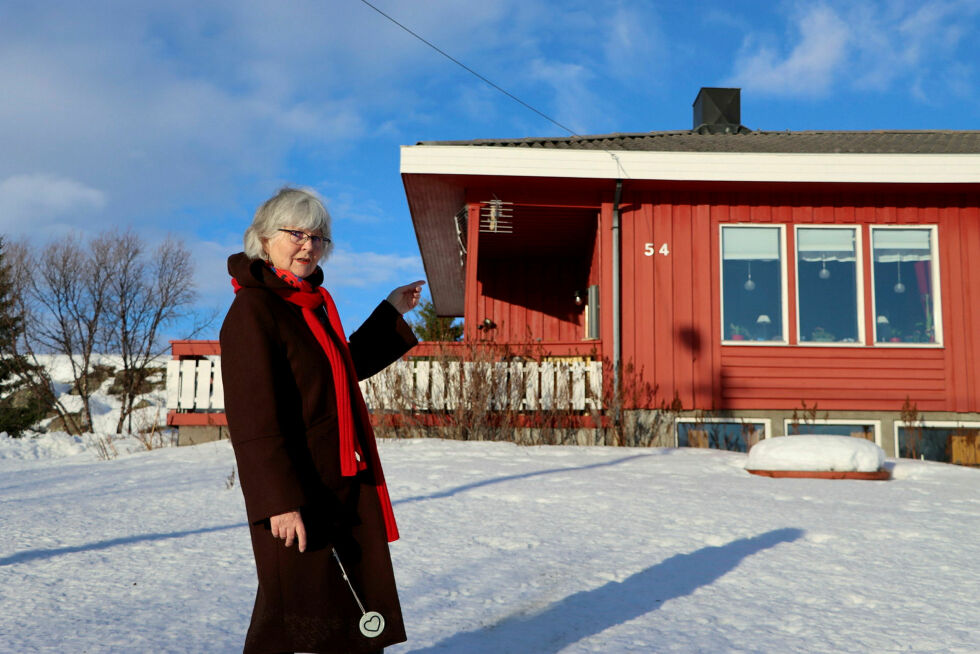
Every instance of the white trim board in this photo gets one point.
(691, 166)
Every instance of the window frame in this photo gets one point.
(874, 424)
(859, 282)
(783, 339)
(935, 424)
(937, 312)
(765, 422)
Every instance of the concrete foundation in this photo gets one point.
(195, 435)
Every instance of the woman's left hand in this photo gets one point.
(405, 298)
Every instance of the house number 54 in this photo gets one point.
(649, 249)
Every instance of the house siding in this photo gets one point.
(671, 326)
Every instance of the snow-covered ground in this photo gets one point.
(105, 407)
(505, 549)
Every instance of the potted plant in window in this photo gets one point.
(822, 335)
(738, 333)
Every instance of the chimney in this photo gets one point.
(718, 111)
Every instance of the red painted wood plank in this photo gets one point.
(175, 419)
(187, 348)
(969, 218)
(704, 308)
(954, 280)
(967, 277)
(680, 259)
(790, 285)
(840, 384)
(471, 317)
(832, 372)
(829, 398)
(663, 305)
(886, 214)
(802, 355)
(868, 286)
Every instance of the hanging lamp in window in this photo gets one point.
(749, 285)
(899, 287)
(824, 273)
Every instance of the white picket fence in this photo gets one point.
(195, 385)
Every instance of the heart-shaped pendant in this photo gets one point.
(372, 624)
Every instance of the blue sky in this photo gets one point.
(181, 117)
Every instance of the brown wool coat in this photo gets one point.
(282, 418)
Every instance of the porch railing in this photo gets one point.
(195, 395)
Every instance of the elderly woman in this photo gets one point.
(317, 504)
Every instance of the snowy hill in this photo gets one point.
(505, 549)
(105, 405)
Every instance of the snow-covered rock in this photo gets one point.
(834, 453)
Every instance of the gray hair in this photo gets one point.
(291, 207)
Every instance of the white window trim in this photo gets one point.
(765, 422)
(937, 310)
(874, 424)
(859, 276)
(784, 290)
(938, 424)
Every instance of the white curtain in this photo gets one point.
(891, 245)
(750, 243)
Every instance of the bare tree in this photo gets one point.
(66, 288)
(106, 294)
(32, 373)
(146, 294)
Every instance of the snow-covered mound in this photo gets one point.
(811, 453)
(55, 445)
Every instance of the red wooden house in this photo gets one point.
(775, 282)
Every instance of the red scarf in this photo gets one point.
(349, 398)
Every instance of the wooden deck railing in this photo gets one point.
(195, 394)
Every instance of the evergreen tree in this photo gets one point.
(429, 326)
(19, 406)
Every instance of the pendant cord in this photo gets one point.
(347, 579)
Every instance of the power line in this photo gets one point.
(473, 72)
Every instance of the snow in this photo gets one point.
(504, 549)
(105, 407)
(837, 453)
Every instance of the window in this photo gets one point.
(949, 443)
(752, 283)
(866, 430)
(721, 433)
(833, 273)
(905, 285)
(827, 285)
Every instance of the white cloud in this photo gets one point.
(810, 67)
(575, 105)
(349, 268)
(871, 46)
(32, 202)
(636, 49)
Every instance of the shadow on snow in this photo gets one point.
(591, 612)
(523, 475)
(33, 555)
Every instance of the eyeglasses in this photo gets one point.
(299, 238)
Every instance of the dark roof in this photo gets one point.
(873, 142)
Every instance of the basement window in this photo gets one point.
(937, 441)
(866, 430)
(721, 433)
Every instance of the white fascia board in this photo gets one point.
(692, 166)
